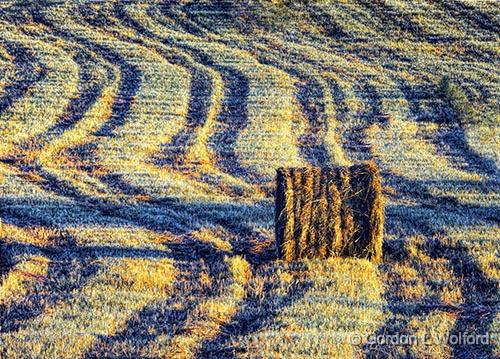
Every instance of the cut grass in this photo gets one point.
(140, 141)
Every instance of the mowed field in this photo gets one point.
(138, 147)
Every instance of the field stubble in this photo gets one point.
(139, 146)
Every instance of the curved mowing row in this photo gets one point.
(139, 147)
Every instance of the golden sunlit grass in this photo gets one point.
(125, 285)
(19, 280)
(400, 144)
(139, 144)
(26, 118)
(144, 275)
(343, 296)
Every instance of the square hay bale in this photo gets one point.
(325, 212)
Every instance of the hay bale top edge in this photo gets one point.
(370, 166)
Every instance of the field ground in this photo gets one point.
(139, 142)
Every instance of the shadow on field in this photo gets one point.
(174, 317)
(451, 140)
(221, 16)
(167, 215)
(327, 22)
(161, 318)
(6, 263)
(168, 318)
(201, 92)
(24, 64)
(310, 96)
(68, 271)
(233, 114)
(71, 265)
(312, 146)
(255, 314)
(130, 78)
(172, 9)
(90, 89)
(480, 305)
(355, 139)
(174, 153)
(177, 217)
(428, 218)
(390, 16)
(474, 17)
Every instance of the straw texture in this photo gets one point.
(325, 212)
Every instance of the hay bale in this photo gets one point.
(305, 212)
(285, 220)
(334, 218)
(365, 201)
(322, 218)
(325, 212)
(347, 224)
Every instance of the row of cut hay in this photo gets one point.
(160, 92)
(198, 153)
(325, 212)
(52, 76)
